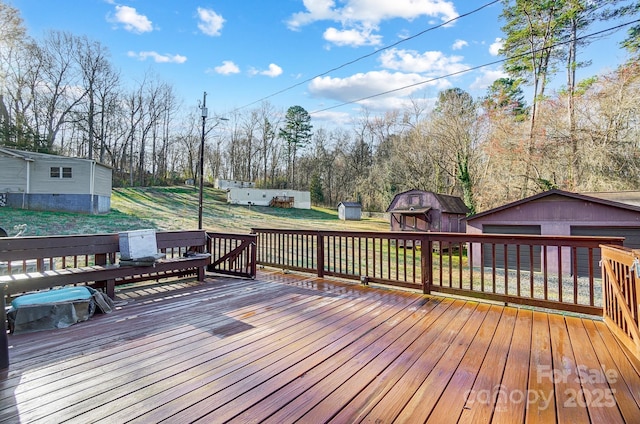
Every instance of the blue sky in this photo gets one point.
(242, 51)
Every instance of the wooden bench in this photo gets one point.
(91, 260)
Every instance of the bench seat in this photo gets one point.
(105, 275)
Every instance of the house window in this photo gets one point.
(61, 172)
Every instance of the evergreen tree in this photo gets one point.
(315, 187)
(297, 134)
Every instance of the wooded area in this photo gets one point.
(61, 94)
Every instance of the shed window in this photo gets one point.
(61, 172)
(414, 200)
(410, 221)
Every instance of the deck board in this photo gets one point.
(540, 400)
(569, 408)
(490, 373)
(292, 347)
(595, 389)
(426, 396)
(466, 373)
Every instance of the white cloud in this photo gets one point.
(362, 85)
(227, 68)
(273, 71)
(332, 118)
(427, 62)
(370, 11)
(486, 78)
(157, 57)
(131, 20)
(317, 10)
(210, 22)
(494, 48)
(352, 37)
(459, 44)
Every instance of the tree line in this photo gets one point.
(61, 94)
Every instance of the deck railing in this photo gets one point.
(558, 272)
(621, 281)
(232, 254)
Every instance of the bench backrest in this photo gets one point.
(189, 238)
(24, 248)
(45, 247)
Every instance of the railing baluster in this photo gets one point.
(559, 273)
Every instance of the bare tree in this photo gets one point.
(57, 94)
(92, 60)
(268, 122)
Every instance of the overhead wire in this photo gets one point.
(351, 62)
(474, 68)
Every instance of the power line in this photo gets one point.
(476, 67)
(351, 62)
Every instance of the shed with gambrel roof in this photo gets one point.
(418, 210)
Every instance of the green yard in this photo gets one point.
(176, 208)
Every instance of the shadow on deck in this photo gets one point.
(288, 347)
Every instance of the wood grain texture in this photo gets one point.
(291, 347)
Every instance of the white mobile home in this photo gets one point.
(227, 184)
(264, 197)
(39, 181)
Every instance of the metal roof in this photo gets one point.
(31, 156)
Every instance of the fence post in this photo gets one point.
(426, 263)
(320, 253)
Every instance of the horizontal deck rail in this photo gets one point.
(557, 272)
(621, 282)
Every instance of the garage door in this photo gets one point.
(631, 239)
(525, 251)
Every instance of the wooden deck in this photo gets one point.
(286, 347)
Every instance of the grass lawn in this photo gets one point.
(176, 208)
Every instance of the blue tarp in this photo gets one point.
(66, 294)
(58, 308)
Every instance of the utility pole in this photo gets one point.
(204, 120)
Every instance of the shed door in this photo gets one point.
(631, 239)
(525, 251)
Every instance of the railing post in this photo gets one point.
(636, 282)
(320, 253)
(426, 263)
(4, 337)
(254, 256)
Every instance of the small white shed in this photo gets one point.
(349, 211)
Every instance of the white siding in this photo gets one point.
(13, 175)
(103, 180)
(226, 184)
(43, 183)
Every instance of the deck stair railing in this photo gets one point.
(621, 293)
(232, 254)
(556, 272)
